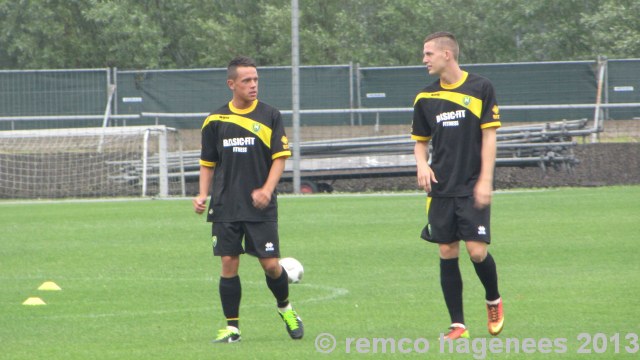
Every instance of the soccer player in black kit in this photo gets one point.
(244, 148)
(459, 115)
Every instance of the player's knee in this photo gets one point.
(449, 251)
(230, 266)
(477, 258)
(478, 255)
(272, 268)
(477, 251)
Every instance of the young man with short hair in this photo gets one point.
(459, 115)
(244, 148)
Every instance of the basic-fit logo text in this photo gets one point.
(239, 144)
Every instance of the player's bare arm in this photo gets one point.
(425, 174)
(484, 187)
(200, 201)
(262, 196)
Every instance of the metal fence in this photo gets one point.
(527, 92)
(354, 121)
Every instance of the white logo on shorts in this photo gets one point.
(482, 230)
(215, 241)
(268, 246)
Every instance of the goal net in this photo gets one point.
(91, 162)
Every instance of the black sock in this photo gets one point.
(230, 294)
(488, 275)
(451, 282)
(280, 288)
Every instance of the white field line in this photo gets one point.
(329, 293)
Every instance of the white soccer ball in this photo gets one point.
(293, 268)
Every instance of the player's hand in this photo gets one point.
(425, 177)
(482, 194)
(261, 198)
(199, 204)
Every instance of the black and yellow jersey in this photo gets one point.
(241, 144)
(452, 118)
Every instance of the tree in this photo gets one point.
(40, 34)
(547, 30)
(243, 27)
(124, 34)
(78, 33)
(614, 29)
(138, 34)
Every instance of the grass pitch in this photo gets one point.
(139, 281)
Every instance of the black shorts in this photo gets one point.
(451, 219)
(260, 238)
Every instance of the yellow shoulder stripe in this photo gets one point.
(263, 132)
(472, 103)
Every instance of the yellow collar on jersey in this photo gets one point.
(457, 83)
(243, 111)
